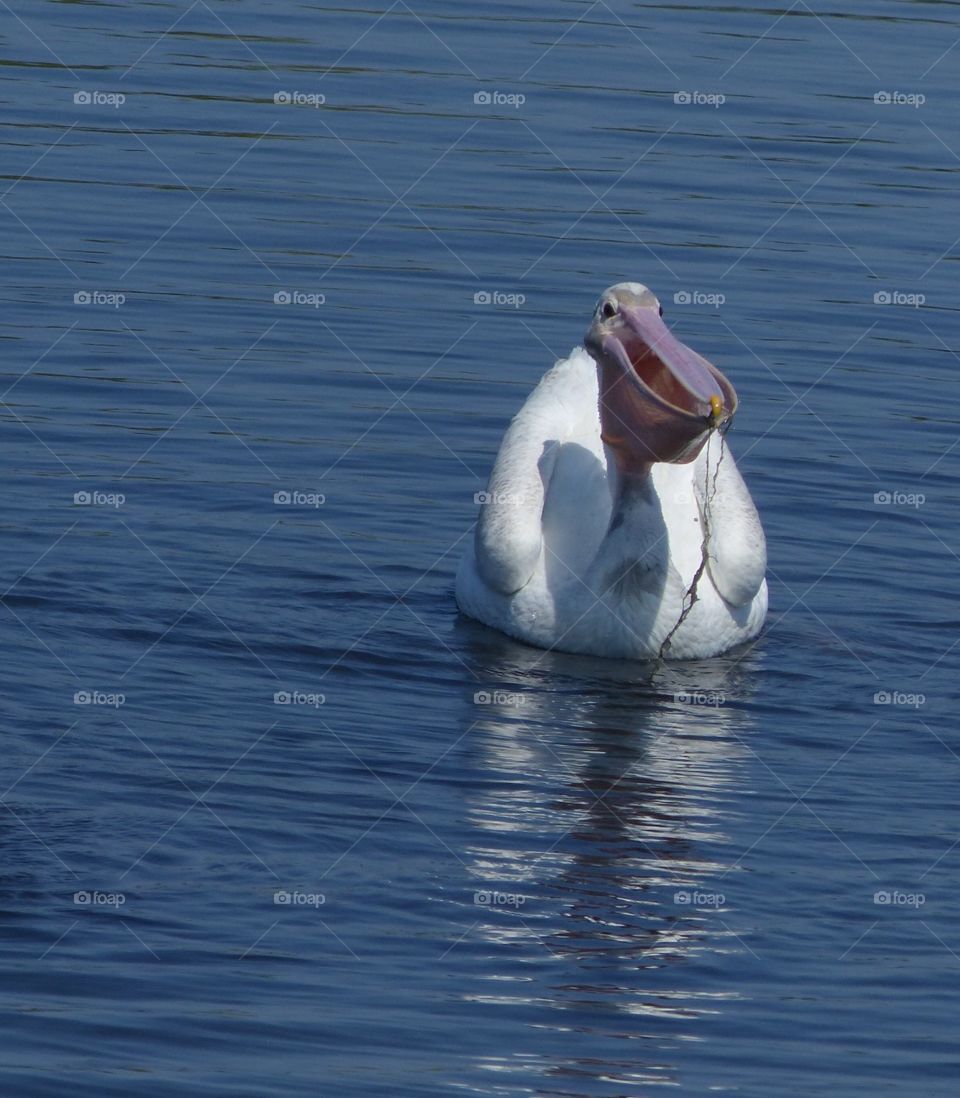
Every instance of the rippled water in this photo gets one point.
(451, 863)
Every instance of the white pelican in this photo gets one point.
(616, 522)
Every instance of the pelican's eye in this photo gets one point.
(608, 310)
(661, 310)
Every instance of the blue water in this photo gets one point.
(600, 878)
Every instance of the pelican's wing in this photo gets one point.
(737, 549)
(509, 537)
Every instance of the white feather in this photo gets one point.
(546, 568)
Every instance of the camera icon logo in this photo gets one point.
(282, 297)
(482, 297)
(482, 99)
(82, 297)
(281, 896)
(81, 98)
(282, 497)
(681, 97)
(282, 99)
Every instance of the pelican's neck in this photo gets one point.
(632, 492)
(634, 554)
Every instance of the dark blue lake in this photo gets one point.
(277, 820)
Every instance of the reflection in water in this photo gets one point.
(600, 843)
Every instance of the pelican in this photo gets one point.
(615, 522)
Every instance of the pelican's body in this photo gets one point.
(586, 545)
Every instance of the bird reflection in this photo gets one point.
(599, 835)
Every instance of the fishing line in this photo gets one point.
(690, 595)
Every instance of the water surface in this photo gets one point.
(336, 839)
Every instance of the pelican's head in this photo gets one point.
(659, 400)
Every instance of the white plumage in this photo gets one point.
(573, 554)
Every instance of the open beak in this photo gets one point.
(659, 399)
